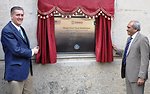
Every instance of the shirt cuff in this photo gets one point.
(32, 52)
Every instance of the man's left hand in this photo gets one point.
(140, 81)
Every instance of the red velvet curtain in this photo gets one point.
(89, 7)
(102, 10)
(46, 41)
(103, 47)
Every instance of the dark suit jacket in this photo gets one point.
(17, 53)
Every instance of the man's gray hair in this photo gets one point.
(136, 25)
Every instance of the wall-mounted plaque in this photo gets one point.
(75, 34)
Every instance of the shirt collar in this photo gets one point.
(18, 27)
(134, 35)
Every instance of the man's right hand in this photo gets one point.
(36, 49)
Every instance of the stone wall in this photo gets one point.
(79, 75)
(76, 76)
(125, 10)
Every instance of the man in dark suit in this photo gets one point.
(135, 60)
(16, 47)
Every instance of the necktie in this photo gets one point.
(126, 49)
(21, 32)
